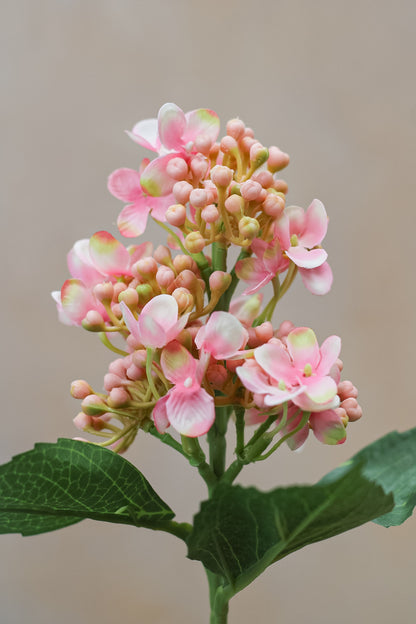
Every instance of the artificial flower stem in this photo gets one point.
(217, 598)
(268, 311)
(226, 297)
(239, 427)
(166, 438)
(216, 441)
(196, 457)
(302, 423)
(149, 361)
(179, 529)
(104, 339)
(287, 282)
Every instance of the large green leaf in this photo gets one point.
(241, 531)
(391, 463)
(55, 485)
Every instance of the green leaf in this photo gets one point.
(391, 463)
(241, 531)
(55, 485)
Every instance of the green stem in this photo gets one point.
(217, 442)
(179, 529)
(239, 428)
(218, 600)
(226, 297)
(219, 256)
(110, 346)
(196, 457)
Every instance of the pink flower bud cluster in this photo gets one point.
(185, 346)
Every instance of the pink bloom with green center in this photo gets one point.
(261, 269)
(102, 258)
(300, 234)
(305, 365)
(268, 389)
(125, 184)
(187, 407)
(173, 134)
(158, 322)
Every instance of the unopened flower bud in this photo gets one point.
(163, 255)
(139, 358)
(353, 409)
(216, 375)
(281, 186)
(186, 279)
(116, 310)
(210, 213)
(264, 332)
(203, 144)
(118, 397)
(135, 373)
(164, 276)
(182, 262)
(246, 142)
(130, 297)
(199, 167)
(93, 321)
(176, 215)
(234, 204)
(258, 155)
(92, 405)
(263, 177)
(177, 169)
(181, 191)
(273, 205)
(145, 292)
(198, 198)
(233, 364)
(117, 289)
(219, 281)
(277, 159)
(184, 299)
(82, 421)
(342, 414)
(221, 176)
(145, 267)
(251, 191)
(284, 329)
(118, 367)
(235, 128)
(248, 227)
(80, 389)
(249, 132)
(104, 292)
(194, 242)
(347, 390)
(111, 380)
(228, 144)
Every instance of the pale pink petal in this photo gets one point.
(163, 309)
(222, 336)
(132, 220)
(328, 427)
(125, 184)
(330, 350)
(154, 179)
(80, 264)
(316, 225)
(303, 347)
(278, 397)
(177, 363)
(191, 413)
(319, 394)
(172, 332)
(160, 415)
(318, 281)
(297, 220)
(282, 230)
(275, 360)
(145, 133)
(76, 301)
(201, 122)
(171, 126)
(108, 254)
(254, 379)
(63, 318)
(130, 321)
(246, 309)
(307, 259)
(152, 333)
(253, 416)
(159, 205)
(137, 252)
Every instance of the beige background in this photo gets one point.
(332, 83)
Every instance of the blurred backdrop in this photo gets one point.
(332, 83)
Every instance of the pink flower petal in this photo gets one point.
(246, 309)
(282, 230)
(299, 438)
(254, 379)
(132, 220)
(80, 264)
(316, 225)
(76, 301)
(137, 252)
(318, 281)
(303, 347)
(191, 413)
(160, 415)
(328, 427)
(275, 360)
(145, 133)
(130, 321)
(330, 350)
(151, 333)
(319, 394)
(177, 363)
(171, 125)
(154, 179)
(201, 122)
(297, 220)
(307, 259)
(108, 254)
(163, 309)
(222, 336)
(125, 184)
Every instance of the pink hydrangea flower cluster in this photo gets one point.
(186, 345)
